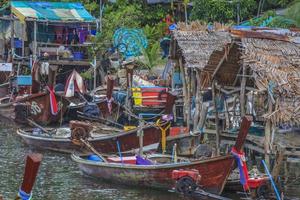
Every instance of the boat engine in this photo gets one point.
(80, 131)
(186, 181)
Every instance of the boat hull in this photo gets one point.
(104, 144)
(214, 173)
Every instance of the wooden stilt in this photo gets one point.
(268, 131)
(34, 39)
(278, 162)
(242, 93)
(12, 38)
(52, 75)
(31, 169)
(216, 118)
(184, 88)
(188, 101)
(197, 101)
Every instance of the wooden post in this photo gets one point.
(278, 162)
(216, 118)
(23, 39)
(12, 37)
(170, 103)
(129, 76)
(31, 169)
(110, 87)
(242, 93)
(203, 114)
(95, 72)
(52, 76)
(173, 89)
(188, 78)
(197, 101)
(141, 137)
(268, 131)
(35, 39)
(184, 88)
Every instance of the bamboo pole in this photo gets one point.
(278, 163)
(197, 101)
(12, 37)
(188, 77)
(242, 92)
(184, 88)
(35, 39)
(268, 131)
(216, 118)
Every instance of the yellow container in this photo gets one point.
(137, 96)
(128, 128)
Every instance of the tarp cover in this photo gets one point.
(54, 11)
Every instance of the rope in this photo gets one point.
(163, 134)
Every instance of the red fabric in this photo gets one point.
(53, 102)
(244, 169)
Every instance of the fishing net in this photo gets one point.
(130, 42)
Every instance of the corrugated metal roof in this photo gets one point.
(54, 11)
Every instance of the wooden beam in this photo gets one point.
(259, 35)
(226, 52)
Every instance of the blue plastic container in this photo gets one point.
(18, 43)
(95, 158)
(24, 80)
(78, 56)
(93, 32)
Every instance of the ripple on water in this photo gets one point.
(59, 177)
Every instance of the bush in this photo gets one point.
(222, 10)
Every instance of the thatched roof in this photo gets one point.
(197, 44)
(276, 70)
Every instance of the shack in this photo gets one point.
(227, 73)
(59, 32)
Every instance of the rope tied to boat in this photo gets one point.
(160, 124)
(23, 195)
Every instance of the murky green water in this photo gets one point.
(59, 177)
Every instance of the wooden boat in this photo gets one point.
(104, 140)
(35, 106)
(6, 110)
(214, 171)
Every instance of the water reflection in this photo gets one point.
(60, 178)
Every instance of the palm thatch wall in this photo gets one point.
(197, 44)
(276, 70)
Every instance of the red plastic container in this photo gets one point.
(151, 96)
(126, 160)
(178, 130)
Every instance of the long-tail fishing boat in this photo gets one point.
(104, 139)
(36, 107)
(154, 173)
